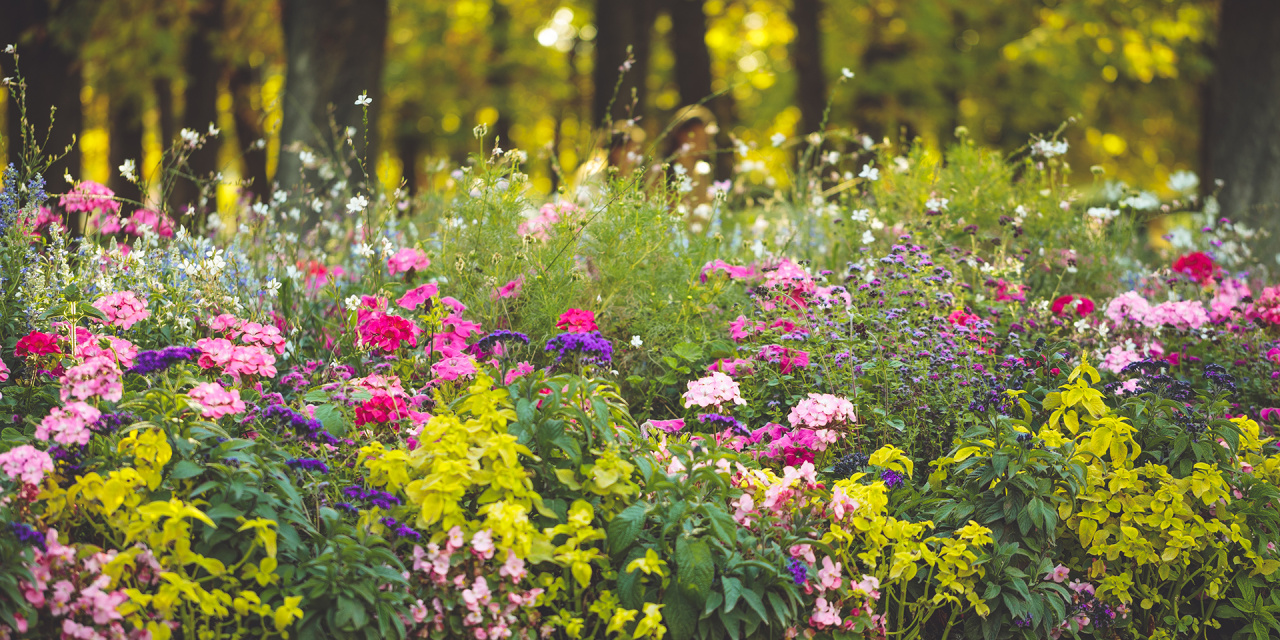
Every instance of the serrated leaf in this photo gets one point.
(624, 527)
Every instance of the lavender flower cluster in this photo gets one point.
(156, 361)
(589, 348)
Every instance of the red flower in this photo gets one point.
(577, 321)
(1198, 266)
(37, 344)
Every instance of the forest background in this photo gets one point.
(1149, 87)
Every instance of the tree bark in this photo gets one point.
(621, 24)
(336, 50)
(1244, 126)
(52, 74)
(244, 81)
(199, 110)
(163, 89)
(499, 76)
(125, 138)
(806, 57)
(694, 78)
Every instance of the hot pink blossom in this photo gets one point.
(4, 371)
(520, 369)
(89, 196)
(388, 332)
(214, 401)
(451, 369)
(149, 221)
(509, 290)
(577, 321)
(669, 426)
(414, 297)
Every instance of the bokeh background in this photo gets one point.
(1146, 87)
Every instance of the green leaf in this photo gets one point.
(186, 469)
(695, 568)
(223, 510)
(680, 614)
(625, 526)
(331, 418)
(688, 351)
(722, 524)
(753, 600)
(732, 592)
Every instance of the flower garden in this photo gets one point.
(916, 394)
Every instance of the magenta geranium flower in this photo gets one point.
(408, 259)
(577, 321)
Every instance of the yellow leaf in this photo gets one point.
(1088, 527)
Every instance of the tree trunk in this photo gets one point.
(806, 56)
(199, 110)
(1244, 126)
(243, 83)
(408, 148)
(163, 88)
(621, 24)
(336, 50)
(499, 77)
(53, 79)
(693, 76)
(125, 138)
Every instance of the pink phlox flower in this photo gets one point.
(88, 196)
(1266, 307)
(123, 308)
(1006, 291)
(68, 425)
(1183, 314)
(27, 463)
(388, 332)
(713, 390)
(517, 371)
(265, 335)
(1228, 300)
(408, 259)
(822, 410)
(732, 366)
(1058, 574)
(547, 217)
(786, 357)
(96, 377)
(214, 401)
(1128, 306)
(1118, 358)
(90, 345)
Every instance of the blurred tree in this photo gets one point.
(694, 75)
(203, 72)
(47, 36)
(336, 51)
(806, 57)
(623, 40)
(1244, 116)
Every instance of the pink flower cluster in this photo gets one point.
(577, 321)
(451, 343)
(4, 371)
(123, 308)
(26, 463)
(734, 272)
(214, 401)
(73, 590)
(1185, 314)
(713, 391)
(786, 358)
(68, 425)
(414, 297)
(1267, 308)
(90, 345)
(408, 259)
(548, 216)
(1128, 306)
(145, 221)
(451, 369)
(266, 335)
(822, 410)
(385, 407)
(794, 446)
(97, 377)
(509, 290)
(388, 332)
(235, 360)
(1228, 299)
(89, 196)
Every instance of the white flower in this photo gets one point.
(293, 272)
(936, 204)
(901, 164)
(1102, 213)
(1184, 181)
(869, 172)
(867, 237)
(777, 139)
(833, 157)
(1144, 201)
(636, 342)
(363, 100)
(1049, 148)
(272, 286)
(128, 169)
(846, 73)
(363, 250)
(307, 158)
(9, 48)
(353, 303)
(213, 131)
(190, 137)
(859, 215)
(357, 204)
(702, 168)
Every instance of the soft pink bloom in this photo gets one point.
(1130, 306)
(414, 297)
(68, 425)
(829, 574)
(517, 371)
(869, 585)
(741, 328)
(4, 371)
(841, 503)
(1058, 574)
(1118, 358)
(89, 196)
(551, 213)
(451, 369)
(419, 611)
(1228, 299)
(482, 544)
(26, 463)
(214, 401)
(513, 568)
(1185, 314)
(97, 377)
(510, 289)
(577, 321)
(821, 410)
(1267, 306)
(408, 259)
(118, 350)
(734, 273)
(787, 358)
(825, 614)
(123, 308)
(712, 391)
(235, 360)
(262, 334)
